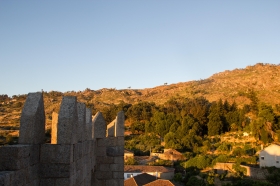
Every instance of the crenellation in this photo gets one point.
(32, 120)
(98, 126)
(81, 128)
(111, 129)
(67, 121)
(79, 154)
(88, 129)
(119, 125)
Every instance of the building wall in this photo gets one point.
(270, 156)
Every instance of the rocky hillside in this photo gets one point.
(263, 79)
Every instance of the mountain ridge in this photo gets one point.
(233, 85)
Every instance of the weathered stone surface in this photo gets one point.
(14, 157)
(116, 167)
(101, 151)
(88, 124)
(63, 182)
(120, 141)
(47, 182)
(56, 170)
(56, 153)
(81, 130)
(67, 121)
(104, 159)
(111, 129)
(34, 155)
(103, 167)
(119, 126)
(112, 182)
(54, 127)
(5, 177)
(32, 173)
(104, 175)
(32, 120)
(105, 142)
(119, 160)
(98, 126)
(118, 175)
(78, 151)
(115, 151)
(19, 177)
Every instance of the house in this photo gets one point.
(270, 156)
(158, 171)
(128, 154)
(169, 154)
(140, 179)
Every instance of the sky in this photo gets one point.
(69, 45)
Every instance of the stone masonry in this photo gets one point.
(80, 153)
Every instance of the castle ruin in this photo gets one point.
(82, 152)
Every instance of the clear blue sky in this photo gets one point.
(70, 45)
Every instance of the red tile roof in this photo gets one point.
(160, 183)
(139, 180)
(143, 168)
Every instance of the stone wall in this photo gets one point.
(79, 152)
(256, 173)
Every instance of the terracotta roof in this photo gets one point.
(160, 183)
(143, 168)
(139, 180)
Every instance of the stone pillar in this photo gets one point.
(67, 121)
(54, 128)
(111, 129)
(98, 126)
(32, 121)
(81, 136)
(119, 126)
(88, 123)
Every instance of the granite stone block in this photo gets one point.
(118, 175)
(32, 120)
(98, 126)
(104, 175)
(56, 153)
(105, 142)
(116, 167)
(119, 128)
(55, 170)
(5, 178)
(104, 159)
(115, 151)
(67, 121)
(78, 151)
(112, 182)
(88, 124)
(47, 181)
(81, 129)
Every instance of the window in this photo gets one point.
(262, 157)
(129, 175)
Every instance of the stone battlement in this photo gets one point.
(82, 150)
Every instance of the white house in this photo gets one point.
(158, 171)
(270, 156)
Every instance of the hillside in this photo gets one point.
(263, 79)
